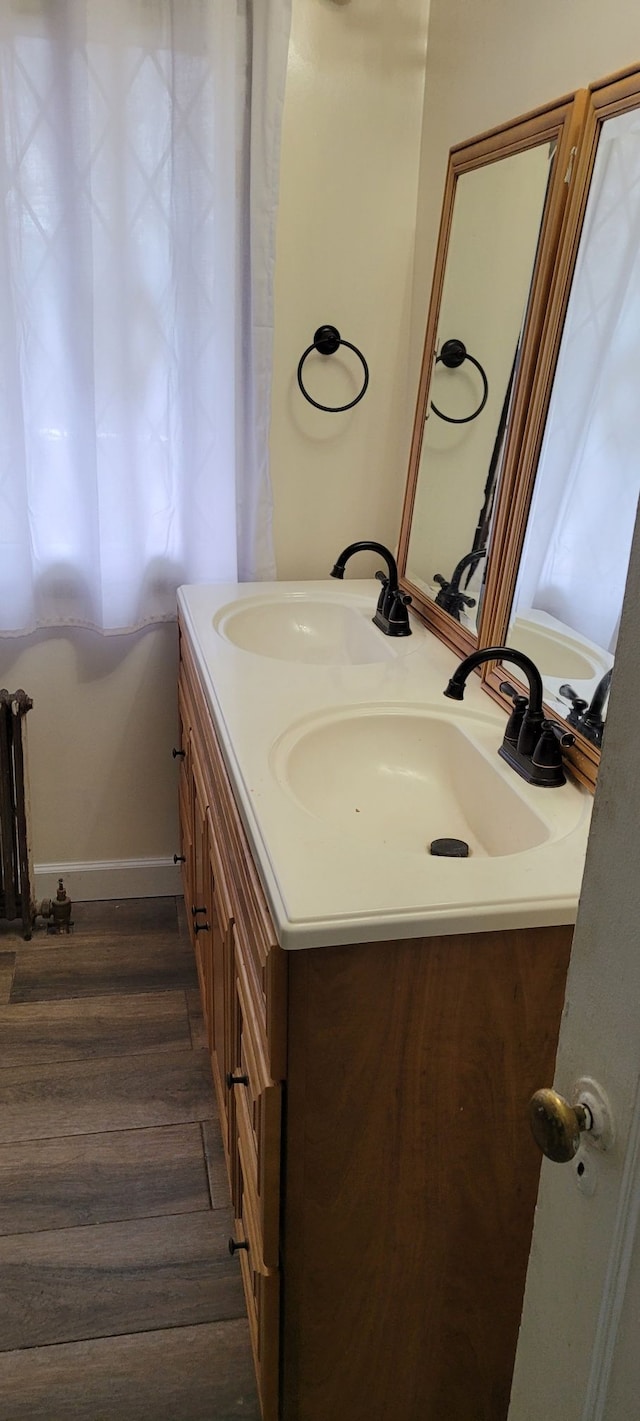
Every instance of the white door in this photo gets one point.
(579, 1350)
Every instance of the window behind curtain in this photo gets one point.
(121, 229)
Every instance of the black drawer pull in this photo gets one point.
(234, 1246)
(179, 858)
(201, 927)
(236, 1080)
(178, 754)
(195, 911)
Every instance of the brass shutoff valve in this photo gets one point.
(60, 912)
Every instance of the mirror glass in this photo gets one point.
(571, 581)
(490, 260)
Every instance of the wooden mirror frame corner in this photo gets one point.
(608, 97)
(562, 122)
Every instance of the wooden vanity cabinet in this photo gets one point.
(381, 1170)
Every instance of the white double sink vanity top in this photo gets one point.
(347, 762)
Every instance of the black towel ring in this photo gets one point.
(453, 354)
(327, 340)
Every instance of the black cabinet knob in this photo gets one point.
(179, 858)
(201, 927)
(178, 754)
(195, 911)
(236, 1080)
(234, 1246)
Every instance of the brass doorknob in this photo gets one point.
(557, 1126)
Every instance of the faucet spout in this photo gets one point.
(455, 688)
(450, 597)
(391, 614)
(533, 732)
(593, 716)
(589, 719)
(367, 547)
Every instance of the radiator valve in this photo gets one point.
(59, 914)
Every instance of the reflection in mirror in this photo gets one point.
(491, 255)
(570, 588)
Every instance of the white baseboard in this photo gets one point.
(114, 878)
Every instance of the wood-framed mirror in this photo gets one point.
(502, 219)
(567, 507)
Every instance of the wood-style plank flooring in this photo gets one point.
(119, 1300)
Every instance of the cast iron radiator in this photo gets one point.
(16, 898)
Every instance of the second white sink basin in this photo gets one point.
(403, 777)
(310, 629)
(555, 655)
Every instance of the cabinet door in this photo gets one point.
(257, 1100)
(262, 1294)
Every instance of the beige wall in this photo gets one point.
(350, 155)
(488, 62)
(102, 727)
(103, 783)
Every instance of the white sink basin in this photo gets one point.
(345, 775)
(307, 629)
(561, 655)
(402, 777)
(555, 655)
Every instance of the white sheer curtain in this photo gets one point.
(138, 178)
(576, 553)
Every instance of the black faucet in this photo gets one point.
(391, 614)
(450, 598)
(589, 719)
(531, 744)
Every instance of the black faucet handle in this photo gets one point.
(563, 737)
(576, 716)
(399, 602)
(452, 593)
(568, 694)
(450, 598)
(398, 616)
(510, 691)
(548, 752)
(384, 599)
(524, 725)
(520, 707)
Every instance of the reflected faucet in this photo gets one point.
(450, 598)
(589, 719)
(391, 614)
(531, 745)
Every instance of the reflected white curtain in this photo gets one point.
(576, 552)
(138, 176)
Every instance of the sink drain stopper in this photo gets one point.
(449, 848)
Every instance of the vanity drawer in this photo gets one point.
(258, 1110)
(262, 1294)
